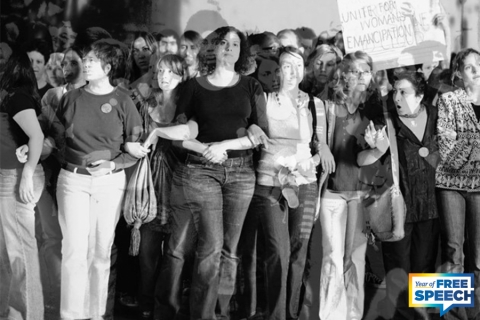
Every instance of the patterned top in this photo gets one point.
(459, 142)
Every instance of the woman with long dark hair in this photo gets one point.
(138, 61)
(190, 42)
(21, 185)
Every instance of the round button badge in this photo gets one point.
(106, 107)
(423, 152)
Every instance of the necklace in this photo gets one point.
(413, 115)
(298, 98)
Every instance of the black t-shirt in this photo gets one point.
(42, 91)
(12, 135)
(222, 113)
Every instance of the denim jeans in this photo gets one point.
(21, 294)
(149, 260)
(218, 197)
(344, 247)
(459, 213)
(179, 252)
(252, 247)
(89, 209)
(50, 253)
(286, 235)
(415, 253)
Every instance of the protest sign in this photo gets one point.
(392, 32)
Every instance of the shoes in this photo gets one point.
(146, 315)
(290, 195)
(372, 280)
(289, 187)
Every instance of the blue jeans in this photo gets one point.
(20, 288)
(50, 252)
(459, 213)
(415, 253)
(218, 197)
(286, 233)
(179, 252)
(149, 259)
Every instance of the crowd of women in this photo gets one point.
(250, 141)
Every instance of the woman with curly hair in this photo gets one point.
(341, 213)
(214, 187)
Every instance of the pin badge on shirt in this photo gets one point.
(106, 107)
(423, 152)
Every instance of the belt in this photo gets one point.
(82, 170)
(231, 162)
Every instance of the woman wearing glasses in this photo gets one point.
(341, 214)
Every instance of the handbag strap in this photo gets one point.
(392, 138)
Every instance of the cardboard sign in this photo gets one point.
(393, 32)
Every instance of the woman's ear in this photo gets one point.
(107, 68)
(458, 74)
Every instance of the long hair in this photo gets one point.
(322, 49)
(340, 87)
(18, 74)
(133, 72)
(208, 67)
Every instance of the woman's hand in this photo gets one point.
(257, 136)
(326, 159)
(376, 138)
(136, 149)
(22, 153)
(305, 166)
(101, 167)
(370, 134)
(216, 152)
(152, 139)
(26, 187)
(47, 148)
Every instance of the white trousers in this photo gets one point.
(343, 265)
(89, 209)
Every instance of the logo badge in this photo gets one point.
(106, 108)
(441, 290)
(423, 152)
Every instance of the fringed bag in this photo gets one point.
(140, 202)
